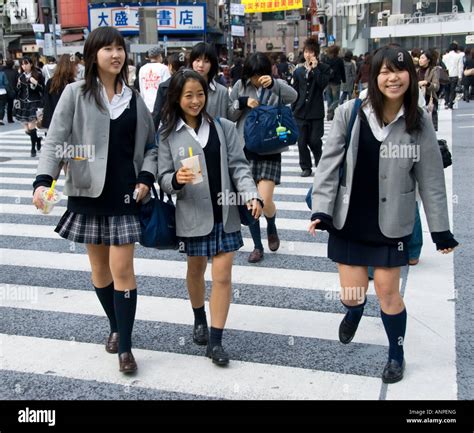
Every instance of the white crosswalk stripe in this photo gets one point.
(289, 302)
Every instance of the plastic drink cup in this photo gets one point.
(193, 163)
(50, 200)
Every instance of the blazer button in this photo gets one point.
(384, 200)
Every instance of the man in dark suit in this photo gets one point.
(309, 81)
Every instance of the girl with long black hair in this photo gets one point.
(370, 211)
(110, 170)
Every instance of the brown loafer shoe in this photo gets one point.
(273, 242)
(127, 363)
(255, 256)
(112, 343)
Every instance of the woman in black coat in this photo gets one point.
(64, 74)
(338, 76)
(468, 80)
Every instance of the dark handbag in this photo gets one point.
(445, 153)
(270, 129)
(355, 110)
(158, 222)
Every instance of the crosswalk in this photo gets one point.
(281, 331)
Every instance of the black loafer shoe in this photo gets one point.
(347, 331)
(201, 334)
(127, 363)
(218, 355)
(393, 371)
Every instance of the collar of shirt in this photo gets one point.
(120, 101)
(202, 136)
(212, 85)
(380, 132)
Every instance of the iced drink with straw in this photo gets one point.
(50, 198)
(193, 164)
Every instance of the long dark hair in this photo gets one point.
(207, 51)
(256, 64)
(35, 72)
(172, 110)
(97, 39)
(64, 74)
(395, 59)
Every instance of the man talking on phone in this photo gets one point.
(310, 81)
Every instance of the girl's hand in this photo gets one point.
(38, 197)
(446, 251)
(184, 175)
(256, 208)
(265, 81)
(422, 83)
(141, 190)
(312, 226)
(33, 81)
(252, 103)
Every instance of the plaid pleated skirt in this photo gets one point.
(218, 241)
(98, 229)
(264, 169)
(26, 112)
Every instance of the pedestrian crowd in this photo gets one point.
(184, 125)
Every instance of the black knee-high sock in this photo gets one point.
(256, 235)
(215, 337)
(395, 326)
(125, 306)
(106, 298)
(200, 316)
(271, 227)
(33, 138)
(354, 312)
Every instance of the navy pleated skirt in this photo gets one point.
(357, 253)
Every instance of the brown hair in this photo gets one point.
(64, 74)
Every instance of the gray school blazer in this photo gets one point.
(80, 128)
(194, 214)
(398, 175)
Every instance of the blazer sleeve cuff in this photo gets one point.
(174, 183)
(444, 240)
(42, 180)
(326, 221)
(146, 178)
(243, 102)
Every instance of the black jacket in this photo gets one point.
(160, 102)
(50, 100)
(12, 76)
(310, 102)
(338, 71)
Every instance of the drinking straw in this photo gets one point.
(51, 190)
(190, 151)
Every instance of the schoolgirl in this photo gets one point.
(29, 98)
(207, 219)
(204, 61)
(266, 169)
(370, 212)
(112, 168)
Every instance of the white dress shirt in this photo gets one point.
(119, 103)
(202, 137)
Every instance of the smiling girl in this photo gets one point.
(113, 167)
(370, 212)
(204, 61)
(208, 224)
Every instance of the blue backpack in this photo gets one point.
(355, 111)
(270, 129)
